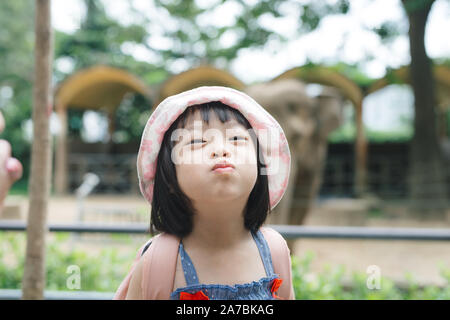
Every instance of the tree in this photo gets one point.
(202, 43)
(39, 187)
(99, 40)
(427, 181)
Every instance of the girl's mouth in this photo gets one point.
(223, 165)
(223, 169)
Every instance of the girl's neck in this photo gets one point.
(218, 227)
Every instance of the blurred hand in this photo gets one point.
(10, 168)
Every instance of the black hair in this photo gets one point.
(172, 211)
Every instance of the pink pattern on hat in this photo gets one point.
(151, 120)
(160, 130)
(254, 122)
(284, 157)
(146, 145)
(150, 171)
(176, 115)
(285, 182)
(230, 103)
(275, 196)
(149, 191)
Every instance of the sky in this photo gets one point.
(320, 46)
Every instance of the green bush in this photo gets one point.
(330, 284)
(104, 271)
(98, 272)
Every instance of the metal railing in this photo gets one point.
(287, 231)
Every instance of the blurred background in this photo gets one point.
(361, 88)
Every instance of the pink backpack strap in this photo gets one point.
(121, 292)
(281, 259)
(160, 262)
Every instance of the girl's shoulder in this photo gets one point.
(281, 260)
(274, 239)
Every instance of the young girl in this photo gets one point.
(213, 163)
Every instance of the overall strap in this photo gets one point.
(264, 252)
(190, 274)
(160, 264)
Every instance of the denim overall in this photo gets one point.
(255, 290)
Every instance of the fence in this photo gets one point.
(287, 231)
(117, 173)
(387, 169)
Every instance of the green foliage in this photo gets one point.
(12, 260)
(313, 12)
(105, 270)
(99, 41)
(16, 42)
(353, 72)
(102, 271)
(130, 118)
(388, 31)
(310, 287)
(347, 133)
(331, 284)
(188, 35)
(19, 188)
(16, 76)
(401, 135)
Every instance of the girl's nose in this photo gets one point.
(220, 150)
(224, 153)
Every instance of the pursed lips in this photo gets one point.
(223, 165)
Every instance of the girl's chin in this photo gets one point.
(220, 197)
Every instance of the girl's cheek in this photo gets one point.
(247, 156)
(185, 154)
(177, 153)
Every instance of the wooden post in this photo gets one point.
(41, 161)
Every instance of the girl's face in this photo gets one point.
(200, 146)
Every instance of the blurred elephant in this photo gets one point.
(306, 122)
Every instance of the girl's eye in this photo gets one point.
(197, 140)
(242, 138)
(234, 139)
